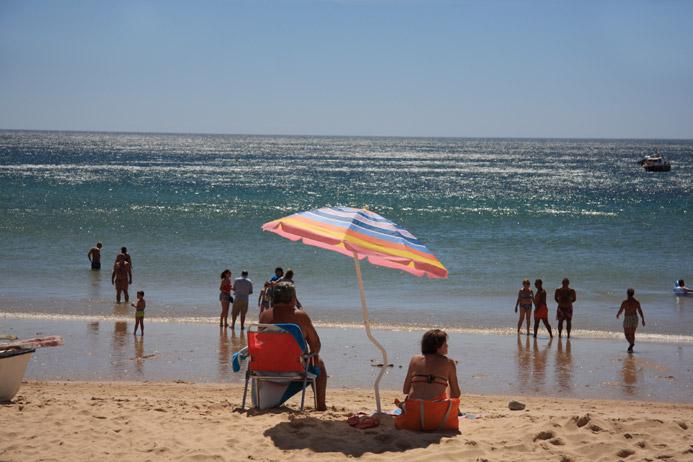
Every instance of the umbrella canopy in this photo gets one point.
(361, 234)
(348, 230)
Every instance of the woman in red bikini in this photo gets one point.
(541, 310)
(225, 289)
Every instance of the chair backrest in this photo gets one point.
(276, 348)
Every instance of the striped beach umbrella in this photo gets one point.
(360, 233)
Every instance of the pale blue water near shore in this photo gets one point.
(493, 210)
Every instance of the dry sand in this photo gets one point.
(69, 421)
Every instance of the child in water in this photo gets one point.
(263, 302)
(139, 313)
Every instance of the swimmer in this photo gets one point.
(630, 307)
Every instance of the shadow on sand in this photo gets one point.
(329, 435)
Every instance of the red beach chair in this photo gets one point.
(279, 365)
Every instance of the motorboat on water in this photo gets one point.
(655, 163)
(13, 363)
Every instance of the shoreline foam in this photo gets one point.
(404, 327)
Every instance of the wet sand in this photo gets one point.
(488, 363)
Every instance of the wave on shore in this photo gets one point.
(576, 333)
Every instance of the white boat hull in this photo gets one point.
(13, 364)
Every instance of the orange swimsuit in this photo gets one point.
(439, 413)
(541, 311)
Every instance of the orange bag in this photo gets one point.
(425, 415)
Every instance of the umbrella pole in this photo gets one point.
(364, 311)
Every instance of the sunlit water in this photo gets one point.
(493, 210)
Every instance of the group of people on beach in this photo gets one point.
(431, 376)
(242, 288)
(121, 278)
(565, 296)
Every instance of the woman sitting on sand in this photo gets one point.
(432, 373)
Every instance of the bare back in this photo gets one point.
(429, 376)
(282, 313)
(95, 255)
(630, 307)
(121, 270)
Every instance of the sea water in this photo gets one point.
(494, 211)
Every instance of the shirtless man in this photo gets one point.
(630, 307)
(94, 256)
(284, 311)
(124, 255)
(121, 278)
(565, 297)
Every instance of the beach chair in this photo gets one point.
(279, 365)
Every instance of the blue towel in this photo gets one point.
(297, 387)
(240, 355)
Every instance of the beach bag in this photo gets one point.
(428, 415)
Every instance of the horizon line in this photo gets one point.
(128, 132)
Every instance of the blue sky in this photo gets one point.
(612, 69)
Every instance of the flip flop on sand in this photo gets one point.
(362, 421)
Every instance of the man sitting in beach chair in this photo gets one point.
(284, 312)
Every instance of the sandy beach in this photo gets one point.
(184, 421)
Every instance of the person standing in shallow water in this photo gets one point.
(225, 288)
(565, 297)
(139, 311)
(289, 277)
(94, 256)
(278, 274)
(525, 298)
(541, 309)
(242, 288)
(121, 278)
(630, 309)
(124, 255)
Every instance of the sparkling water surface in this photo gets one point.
(494, 211)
